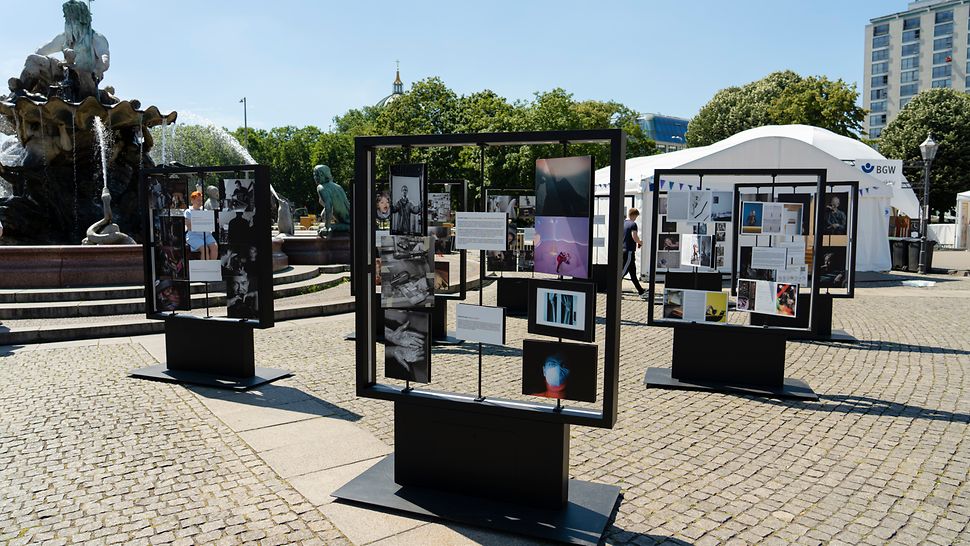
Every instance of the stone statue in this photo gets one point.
(104, 232)
(86, 55)
(335, 216)
(212, 203)
(284, 222)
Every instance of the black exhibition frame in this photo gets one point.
(462, 254)
(367, 386)
(831, 187)
(261, 225)
(819, 174)
(588, 288)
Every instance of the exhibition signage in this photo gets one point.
(480, 231)
(480, 323)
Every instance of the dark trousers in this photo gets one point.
(630, 264)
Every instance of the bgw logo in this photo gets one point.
(867, 168)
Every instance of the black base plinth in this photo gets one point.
(793, 389)
(439, 324)
(209, 352)
(582, 520)
(160, 372)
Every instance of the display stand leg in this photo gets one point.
(379, 313)
(211, 353)
(439, 325)
(756, 365)
(505, 473)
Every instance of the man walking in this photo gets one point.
(631, 242)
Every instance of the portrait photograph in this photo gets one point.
(500, 260)
(564, 186)
(563, 309)
(565, 371)
(172, 296)
(833, 272)
(407, 272)
(239, 194)
(562, 246)
(242, 296)
(407, 200)
(170, 252)
(835, 217)
(383, 206)
(237, 227)
(752, 214)
(407, 345)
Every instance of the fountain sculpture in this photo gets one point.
(60, 178)
(335, 216)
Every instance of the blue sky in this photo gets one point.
(302, 62)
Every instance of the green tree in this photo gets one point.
(946, 114)
(778, 98)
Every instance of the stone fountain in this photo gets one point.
(59, 181)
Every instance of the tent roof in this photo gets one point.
(964, 194)
(771, 147)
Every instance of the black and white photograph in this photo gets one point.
(836, 214)
(238, 260)
(668, 241)
(699, 228)
(439, 208)
(833, 272)
(720, 232)
(722, 206)
(566, 371)
(236, 227)
(501, 260)
(562, 309)
(564, 186)
(242, 296)
(526, 260)
(239, 194)
(407, 345)
(699, 207)
(668, 260)
(407, 272)
(407, 200)
(442, 239)
(667, 227)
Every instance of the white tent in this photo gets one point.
(963, 220)
(783, 147)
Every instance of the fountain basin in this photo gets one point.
(314, 250)
(70, 266)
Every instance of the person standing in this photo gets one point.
(631, 242)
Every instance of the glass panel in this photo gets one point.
(941, 71)
(874, 133)
(941, 83)
(880, 54)
(941, 30)
(877, 94)
(880, 41)
(944, 16)
(904, 102)
(911, 76)
(910, 62)
(909, 24)
(942, 57)
(878, 81)
(880, 30)
(943, 43)
(878, 106)
(910, 49)
(878, 119)
(880, 68)
(908, 90)
(911, 35)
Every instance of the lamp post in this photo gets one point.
(245, 124)
(928, 150)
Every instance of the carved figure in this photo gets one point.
(335, 216)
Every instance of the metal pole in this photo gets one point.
(926, 216)
(245, 123)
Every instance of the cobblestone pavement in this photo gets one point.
(882, 457)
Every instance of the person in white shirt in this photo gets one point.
(199, 240)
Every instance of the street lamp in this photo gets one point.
(928, 150)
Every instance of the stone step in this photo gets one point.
(133, 305)
(291, 274)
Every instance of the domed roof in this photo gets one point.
(397, 90)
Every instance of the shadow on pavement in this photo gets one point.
(841, 403)
(877, 345)
(279, 396)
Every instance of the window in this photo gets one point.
(911, 35)
(968, 83)
(944, 16)
(880, 55)
(878, 106)
(941, 57)
(874, 133)
(880, 41)
(942, 83)
(878, 94)
(942, 30)
(942, 71)
(908, 90)
(910, 62)
(911, 23)
(911, 49)
(943, 43)
(878, 81)
(880, 68)
(910, 76)
(883, 29)
(877, 120)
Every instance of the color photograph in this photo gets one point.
(745, 270)
(442, 276)
(747, 291)
(668, 260)
(786, 299)
(564, 186)
(673, 304)
(562, 246)
(407, 345)
(669, 242)
(716, 307)
(751, 216)
(407, 272)
(170, 253)
(383, 206)
(565, 371)
(172, 296)
(722, 205)
(563, 309)
(442, 239)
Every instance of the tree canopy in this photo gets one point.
(779, 98)
(429, 107)
(946, 114)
